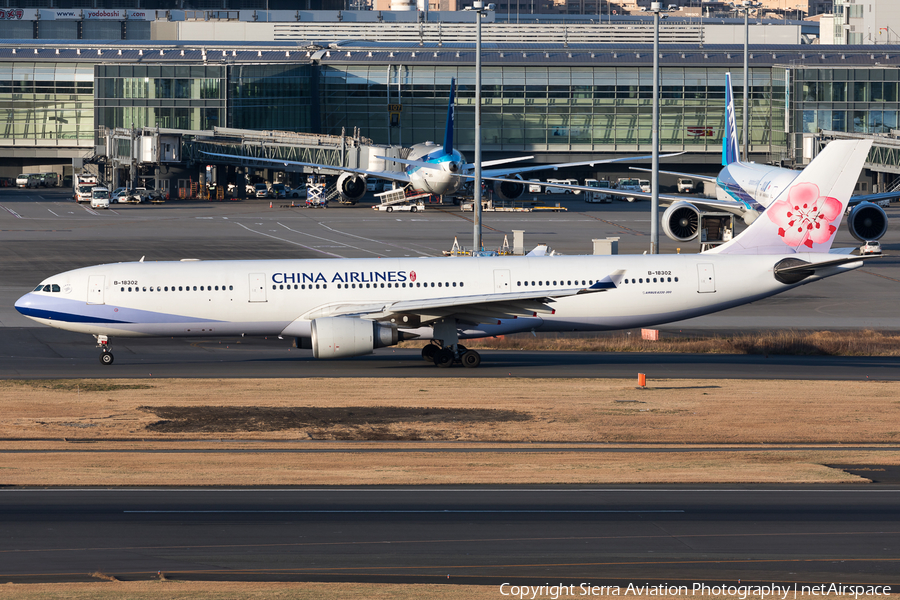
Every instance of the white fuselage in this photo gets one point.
(442, 181)
(281, 297)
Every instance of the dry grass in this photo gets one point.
(63, 435)
(816, 343)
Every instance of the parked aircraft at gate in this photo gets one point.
(433, 169)
(348, 307)
(745, 189)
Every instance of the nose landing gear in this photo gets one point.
(106, 355)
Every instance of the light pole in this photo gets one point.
(654, 170)
(479, 9)
(746, 6)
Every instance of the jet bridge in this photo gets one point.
(144, 153)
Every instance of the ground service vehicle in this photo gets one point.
(261, 190)
(279, 190)
(49, 179)
(599, 195)
(628, 184)
(685, 185)
(99, 197)
(534, 186)
(83, 186)
(28, 180)
(552, 189)
(645, 185)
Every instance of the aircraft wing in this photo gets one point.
(520, 170)
(701, 202)
(474, 309)
(883, 199)
(709, 178)
(389, 175)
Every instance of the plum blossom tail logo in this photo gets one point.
(805, 218)
(412, 275)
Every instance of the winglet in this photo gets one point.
(805, 217)
(448, 134)
(730, 151)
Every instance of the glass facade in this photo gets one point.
(166, 96)
(46, 102)
(847, 100)
(551, 108)
(270, 97)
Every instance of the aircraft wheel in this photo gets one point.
(470, 359)
(389, 209)
(428, 352)
(443, 358)
(106, 358)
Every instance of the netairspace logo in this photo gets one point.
(739, 592)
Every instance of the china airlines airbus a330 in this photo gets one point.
(342, 308)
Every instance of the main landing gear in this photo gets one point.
(444, 350)
(106, 355)
(445, 357)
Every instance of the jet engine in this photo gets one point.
(681, 221)
(510, 191)
(343, 337)
(352, 187)
(867, 222)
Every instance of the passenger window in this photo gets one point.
(676, 279)
(460, 284)
(123, 289)
(317, 286)
(654, 280)
(274, 287)
(641, 280)
(217, 288)
(324, 286)
(145, 289)
(454, 284)
(368, 286)
(439, 284)
(195, 288)
(432, 284)
(230, 287)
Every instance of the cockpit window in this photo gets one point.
(39, 288)
(55, 288)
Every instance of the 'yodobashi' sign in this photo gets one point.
(98, 14)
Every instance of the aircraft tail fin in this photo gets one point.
(806, 215)
(448, 134)
(730, 149)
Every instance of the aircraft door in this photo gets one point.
(707, 278)
(257, 287)
(96, 283)
(501, 281)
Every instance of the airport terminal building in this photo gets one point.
(557, 101)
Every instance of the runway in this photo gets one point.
(489, 535)
(42, 352)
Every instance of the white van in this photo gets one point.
(28, 180)
(99, 197)
(551, 189)
(50, 179)
(534, 186)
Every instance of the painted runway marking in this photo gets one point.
(11, 211)
(359, 237)
(290, 242)
(397, 512)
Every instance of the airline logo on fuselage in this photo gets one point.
(345, 277)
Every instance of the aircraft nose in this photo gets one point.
(29, 305)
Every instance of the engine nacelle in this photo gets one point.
(510, 191)
(352, 187)
(681, 221)
(867, 222)
(343, 337)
